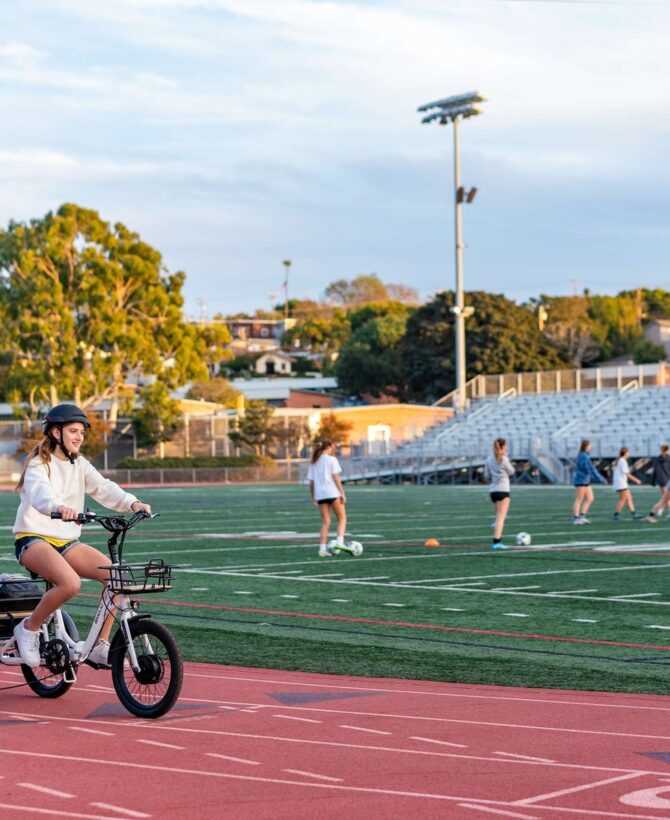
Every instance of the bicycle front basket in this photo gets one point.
(133, 579)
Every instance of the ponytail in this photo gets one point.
(498, 446)
(319, 449)
(43, 449)
(584, 445)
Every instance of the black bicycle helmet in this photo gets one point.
(65, 414)
(58, 416)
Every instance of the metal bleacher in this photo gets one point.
(544, 429)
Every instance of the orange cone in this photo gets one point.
(432, 542)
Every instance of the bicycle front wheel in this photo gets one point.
(152, 690)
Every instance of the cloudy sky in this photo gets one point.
(234, 134)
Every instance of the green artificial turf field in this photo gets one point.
(584, 607)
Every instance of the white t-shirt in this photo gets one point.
(620, 476)
(322, 474)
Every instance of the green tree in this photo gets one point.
(371, 361)
(158, 418)
(254, 429)
(88, 306)
(502, 337)
(217, 390)
(571, 328)
(617, 323)
(324, 335)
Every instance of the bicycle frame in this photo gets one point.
(79, 650)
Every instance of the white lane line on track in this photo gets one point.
(20, 810)
(157, 743)
(243, 592)
(344, 788)
(341, 600)
(391, 604)
(584, 620)
(312, 774)
(129, 812)
(90, 731)
(293, 717)
(452, 609)
(516, 614)
(289, 596)
(364, 729)
(439, 742)
(514, 589)
(44, 790)
(657, 626)
(527, 801)
(233, 759)
(479, 807)
(526, 757)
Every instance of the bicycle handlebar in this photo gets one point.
(109, 522)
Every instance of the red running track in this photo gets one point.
(261, 744)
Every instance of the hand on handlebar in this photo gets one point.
(138, 506)
(67, 513)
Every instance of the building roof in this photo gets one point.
(279, 388)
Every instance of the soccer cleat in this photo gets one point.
(636, 516)
(28, 644)
(354, 548)
(651, 519)
(99, 655)
(325, 552)
(616, 517)
(583, 520)
(499, 546)
(577, 520)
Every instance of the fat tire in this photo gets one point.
(170, 662)
(40, 686)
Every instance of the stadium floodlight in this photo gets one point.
(452, 110)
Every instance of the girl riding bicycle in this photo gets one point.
(56, 478)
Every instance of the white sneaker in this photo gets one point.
(325, 552)
(28, 644)
(100, 653)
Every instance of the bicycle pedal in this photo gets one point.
(70, 676)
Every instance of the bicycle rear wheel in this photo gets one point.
(154, 689)
(39, 678)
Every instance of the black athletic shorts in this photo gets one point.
(328, 500)
(497, 496)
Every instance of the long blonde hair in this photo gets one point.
(319, 448)
(498, 447)
(43, 449)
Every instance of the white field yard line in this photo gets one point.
(317, 561)
(571, 596)
(453, 586)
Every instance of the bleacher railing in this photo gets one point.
(558, 381)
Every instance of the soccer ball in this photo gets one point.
(356, 548)
(523, 539)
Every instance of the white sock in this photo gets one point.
(340, 540)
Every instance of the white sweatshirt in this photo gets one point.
(48, 486)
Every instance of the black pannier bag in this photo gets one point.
(18, 598)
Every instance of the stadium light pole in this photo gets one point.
(453, 110)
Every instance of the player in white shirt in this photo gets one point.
(620, 478)
(56, 478)
(327, 493)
